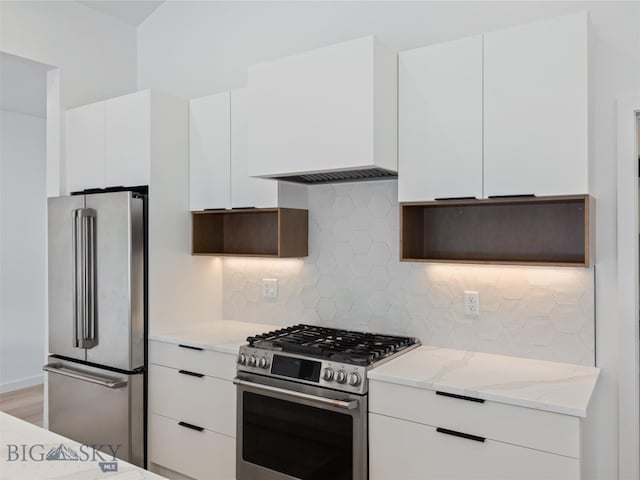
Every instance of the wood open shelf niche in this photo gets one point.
(517, 231)
(260, 232)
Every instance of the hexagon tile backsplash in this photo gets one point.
(352, 279)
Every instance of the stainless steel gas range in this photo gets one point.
(302, 402)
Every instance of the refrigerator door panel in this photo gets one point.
(119, 295)
(63, 269)
(97, 407)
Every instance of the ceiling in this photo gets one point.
(133, 12)
(23, 85)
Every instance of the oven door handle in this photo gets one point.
(343, 404)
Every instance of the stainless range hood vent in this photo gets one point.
(363, 175)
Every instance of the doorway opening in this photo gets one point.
(23, 235)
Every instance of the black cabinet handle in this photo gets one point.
(444, 199)
(468, 436)
(193, 374)
(460, 397)
(192, 427)
(520, 195)
(190, 347)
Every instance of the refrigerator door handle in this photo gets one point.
(84, 275)
(68, 372)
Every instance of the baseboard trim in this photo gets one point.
(22, 383)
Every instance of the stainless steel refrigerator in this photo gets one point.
(97, 334)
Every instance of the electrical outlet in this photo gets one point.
(269, 287)
(471, 303)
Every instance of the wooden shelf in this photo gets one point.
(260, 232)
(516, 231)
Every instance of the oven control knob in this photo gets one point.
(242, 359)
(251, 361)
(327, 374)
(341, 376)
(263, 362)
(354, 379)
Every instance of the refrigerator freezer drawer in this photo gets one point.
(97, 407)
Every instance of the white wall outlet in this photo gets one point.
(471, 303)
(269, 287)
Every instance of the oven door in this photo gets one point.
(287, 430)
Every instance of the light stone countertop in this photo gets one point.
(555, 387)
(14, 433)
(224, 336)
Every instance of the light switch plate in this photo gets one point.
(270, 287)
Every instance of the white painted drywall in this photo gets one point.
(96, 53)
(197, 48)
(23, 229)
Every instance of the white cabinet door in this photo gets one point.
(128, 139)
(210, 152)
(424, 453)
(440, 121)
(246, 191)
(85, 158)
(536, 108)
(315, 111)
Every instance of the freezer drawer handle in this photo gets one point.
(190, 347)
(192, 427)
(192, 374)
(68, 372)
(343, 404)
(84, 277)
(468, 436)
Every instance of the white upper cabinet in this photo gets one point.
(329, 109)
(536, 108)
(218, 159)
(85, 154)
(246, 191)
(501, 114)
(128, 139)
(210, 152)
(108, 144)
(440, 121)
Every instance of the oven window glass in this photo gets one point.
(305, 442)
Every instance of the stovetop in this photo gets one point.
(344, 346)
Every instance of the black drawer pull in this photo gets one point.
(192, 427)
(468, 436)
(190, 347)
(460, 397)
(193, 374)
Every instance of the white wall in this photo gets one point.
(23, 228)
(96, 53)
(196, 48)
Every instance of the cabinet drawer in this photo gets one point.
(547, 431)
(204, 401)
(201, 455)
(425, 453)
(214, 364)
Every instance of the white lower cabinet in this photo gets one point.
(192, 411)
(400, 449)
(199, 455)
(422, 434)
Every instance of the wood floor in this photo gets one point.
(26, 404)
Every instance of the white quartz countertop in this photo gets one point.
(219, 335)
(555, 387)
(39, 442)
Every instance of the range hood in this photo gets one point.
(324, 116)
(340, 176)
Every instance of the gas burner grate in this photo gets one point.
(346, 346)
